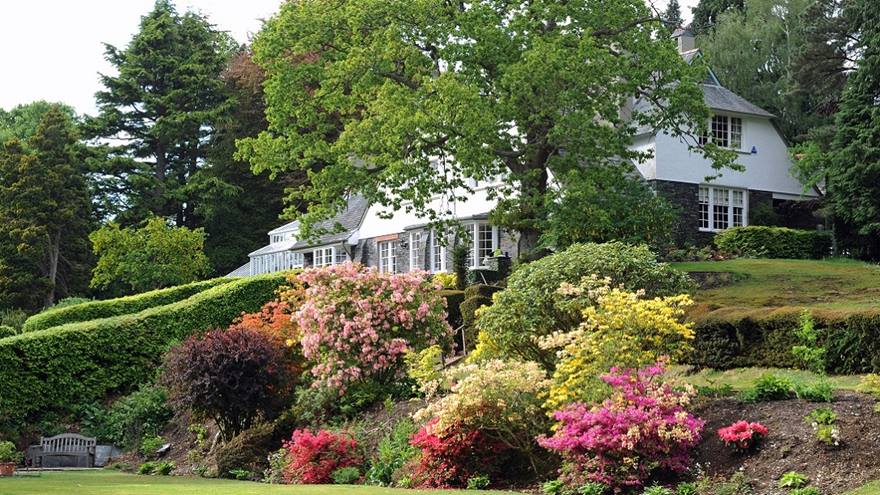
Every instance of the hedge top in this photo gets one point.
(93, 310)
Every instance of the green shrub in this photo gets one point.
(161, 468)
(592, 489)
(241, 474)
(126, 421)
(792, 479)
(59, 370)
(150, 444)
(8, 453)
(14, 318)
(820, 391)
(481, 290)
(657, 490)
(70, 301)
(469, 318)
(346, 475)
(762, 337)
(393, 452)
(769, 387)
(686, 489)
(93, 310)
(7, 331)
(247, 450)
(147, 468)
(775, 242)
(528, 307)
(478, 482)
(454, 298)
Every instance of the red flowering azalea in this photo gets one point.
(742, 434)
(312, 458)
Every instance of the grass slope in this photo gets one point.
(744, 378)
(839, 284)
(115, 483)
(872, 488)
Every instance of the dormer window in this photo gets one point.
(725, 131)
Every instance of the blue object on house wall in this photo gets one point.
(754, 150)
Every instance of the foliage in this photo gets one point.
(446, 280)
(478, 482)
(393, 451)
(423, 368)
(870, 384)
(792, 479)
(274, 474)
(451, 457)
(657, 490)
(460, 253)
(150, 444)
(619, 328)
(8, 452)
(446, 83)
(14, 318)
(706, 13)
(672, 15)
(769, 387)
(93, 310)
(233, 376)
(159, 136)
(807, 490)
(499, 399)
(314, 457)
(160, 468)
(241, 474)
(819, 391)
(590, 488)
(738, 484)
(853, 181)
(762, 337)
(152, 257)
(644, 426)
(346, 475)
(45, 215)
(454, 298)
(248, 449)
(775, 242)
(743, 435)
(70, 301)
(528, 308)
(808, 351)
(824, 424)
(127, 421)
(7, 331)
(275, 320)
(115, 354)
(21, 121)
(609, 203)
(357, 323)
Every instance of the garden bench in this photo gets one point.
(66, 450)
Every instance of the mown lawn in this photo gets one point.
(840, 284)
(116, 483)
(869, 489)
(743, 378)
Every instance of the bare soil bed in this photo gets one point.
(792, 446)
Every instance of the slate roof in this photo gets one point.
(275, 247)
(287, 227)
(349, 219)
(719, 98)
(242, 271)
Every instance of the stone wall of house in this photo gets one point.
(685, 197)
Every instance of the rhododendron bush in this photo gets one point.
(742, 434)
(312, 457)
(497, 401)
(357, 323)
(452, 455)
(618, 328)
(644, 426)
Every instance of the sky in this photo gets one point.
(53, 49)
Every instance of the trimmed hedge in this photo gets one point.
(93, 310)
(7, 331)
(775, 242)
(62, 368)
(736, 337)
(454, 298)
(481, 290)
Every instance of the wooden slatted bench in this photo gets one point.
(66, 450)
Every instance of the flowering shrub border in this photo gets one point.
(313, 457)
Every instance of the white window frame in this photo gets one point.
(416, 251)
(733, 131)
(708, 195)
(387, 256)
(325, 258)
(438, 249)
(475, 243)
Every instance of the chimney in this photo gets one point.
(685, 38)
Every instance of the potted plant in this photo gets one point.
(9, 457)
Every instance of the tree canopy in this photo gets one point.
(157, 255)
(406, 101)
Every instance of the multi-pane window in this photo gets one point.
(725, 131)
(438, 254)
(485, 241)
(720, 208)
(416, 251)
(387, 260)
(324, 256)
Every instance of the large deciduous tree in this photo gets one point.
(404, 101)
(706, 13)
(151, 257)
(159, 111)
(45, 214)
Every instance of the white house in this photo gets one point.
(404, 241)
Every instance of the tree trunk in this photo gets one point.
(52, 268)
(532, 196)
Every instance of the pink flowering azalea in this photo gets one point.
(644, 426)
(742, 434)
(358, 323)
